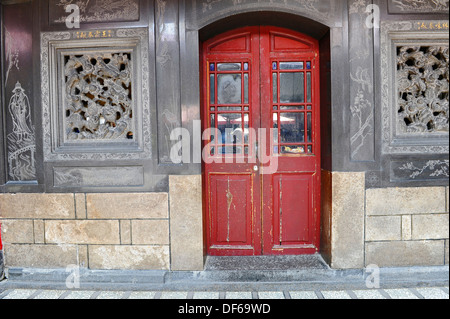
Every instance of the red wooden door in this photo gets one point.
(261, 142)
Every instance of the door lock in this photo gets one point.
(255, 168)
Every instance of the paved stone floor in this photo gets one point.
(396, 293)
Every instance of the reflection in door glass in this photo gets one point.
(231, 132)
(292, 127)
(292, 87)
(228, 67)
(229, 88)
(291, 65)
(309, 87)
(212, 87)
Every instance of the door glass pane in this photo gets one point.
(275, 128)
(292, 87)
(246, 128)
(228, 67)
(230, 127)
(291, 65)
(309, 87)
(275, 88)
(212, 88)
(246, 88)
(229, 88)
(291, 108)
(292, 149)
(309, 120)
(292, 127)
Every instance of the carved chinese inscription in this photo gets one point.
(423, 89)
(98, 103)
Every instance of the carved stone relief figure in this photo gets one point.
(21, 142)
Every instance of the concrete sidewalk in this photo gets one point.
(217, 282)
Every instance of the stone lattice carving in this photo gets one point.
(423, 87)
(98, 96)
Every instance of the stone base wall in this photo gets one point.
(105, 231)
(387, 227)
(407, 226)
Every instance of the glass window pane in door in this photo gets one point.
(229, 88)
(292, 87)
(292, 127)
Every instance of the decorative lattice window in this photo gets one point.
(99, 97)
(95, 94)
(414, 87)
(423, 88)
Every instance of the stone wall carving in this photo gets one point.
(95, 91)
(98, 102)
(418, 6)
(414, 88)
(423, 87)
(21, 141)
(95, 10)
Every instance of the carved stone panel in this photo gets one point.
(94, 11)
(18, 89)
(362, 120)
(415, 83)
(168, 74)
(418, 6)
(423, 85)
(95, 94)
(422, 170)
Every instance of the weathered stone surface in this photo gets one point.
(80, 206)
(406, 227)
(405, 201)
(40, 256)
(129, 257)
(82, 232)
(433, 226)
(186, 222)
(405, 253)
(17, 232)
(125, 232)
(39, 231)
(446, 251)
(37, 206)
(380, 228)
(127, 206)
(150, 232)
(347, 226)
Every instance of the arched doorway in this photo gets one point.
(262, 161)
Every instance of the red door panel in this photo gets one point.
(261, 78)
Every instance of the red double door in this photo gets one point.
(261, 155)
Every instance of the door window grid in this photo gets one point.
(293, 111)
(229, 109)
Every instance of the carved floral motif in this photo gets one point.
(423, 87)
(98, 96)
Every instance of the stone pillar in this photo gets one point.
(347, 220)
(186, 223)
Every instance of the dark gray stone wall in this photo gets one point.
(352, 97)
